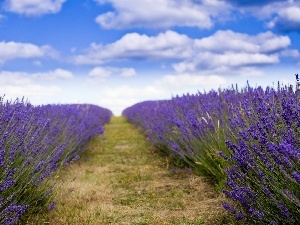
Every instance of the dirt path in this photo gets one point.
(120, 180)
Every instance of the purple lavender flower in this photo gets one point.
(34, 141)
(12, 213)
(229, 207)
(284, 211)
(1, 158)
(240, 216)
(296, 176)
(51, 206)
(258, 132)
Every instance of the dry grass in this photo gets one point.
(120, 180)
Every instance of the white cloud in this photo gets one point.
(261, 9)
(201, 14)
(21, 84)
(210, 52)
(239, 50)
(31, 91)
(13, 50)
(291, 53)
(240, 42)
(100, 74)
(57, 74)
(281, 15)
(225, 61)
(167, 45)
(33, 7)
(161, 13)
(19, 78)
(291, 14)
(288, 19)
(14, 78)
(127, 72)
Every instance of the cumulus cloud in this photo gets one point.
(239, 42)
(225, 61)
(127, 72)
(13, 50)
(284, 16)
(102, 73)
(189, 54)
(21, 84)
(291, 53)
(160, 13)
(201, 14)
(166, 45)
(33, 7)
(19, 78)
(57, 74)
(288, 19)
(31, 91)
(239, 50)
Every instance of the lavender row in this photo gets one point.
(247, 141)
(34, 142)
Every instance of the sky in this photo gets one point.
(115, 53)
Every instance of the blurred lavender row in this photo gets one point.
(34, 142)
(246, 141)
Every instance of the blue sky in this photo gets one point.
(115, 53)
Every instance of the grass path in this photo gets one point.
(121, 180)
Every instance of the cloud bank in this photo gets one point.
(160, 13)
(207, 53)
(13, 50)
(33, 7)
(166, 14)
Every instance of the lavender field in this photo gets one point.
(246, 141)
(34, 142)
(126, 96)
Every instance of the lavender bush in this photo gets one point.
(34, 142)
(191, 128)
(264, 174)
(247, 141)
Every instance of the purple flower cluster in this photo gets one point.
(191, 128)
(34, 142)
(265, 157)
(247, 141)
